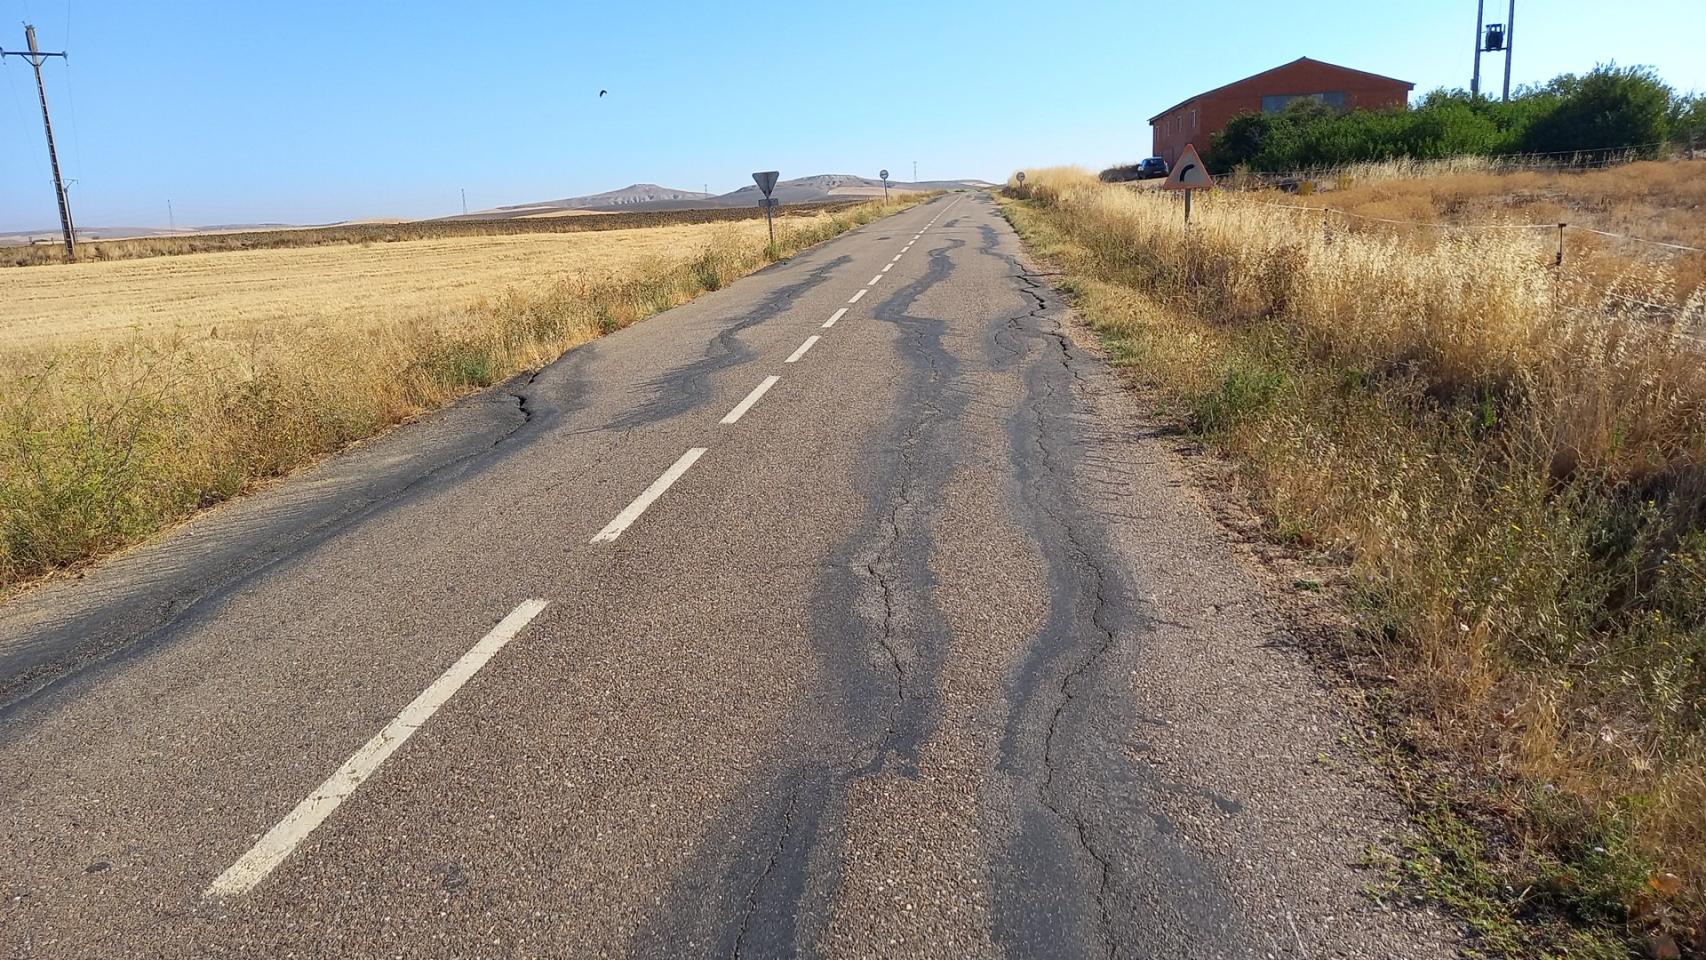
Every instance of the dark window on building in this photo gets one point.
(1274, 103)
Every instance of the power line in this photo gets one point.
(17, 105)
(71, 98)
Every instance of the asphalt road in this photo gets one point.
(924, 651)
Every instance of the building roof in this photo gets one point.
(1282, 66)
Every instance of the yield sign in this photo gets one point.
(766, 181)
(1189, 173)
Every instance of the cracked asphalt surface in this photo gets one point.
(930, 654)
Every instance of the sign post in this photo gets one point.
(1189, 175)
(766, 180)
(885, 175)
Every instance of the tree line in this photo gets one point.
(1609, 110)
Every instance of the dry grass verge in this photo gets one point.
(105, 441)
(1513, 468)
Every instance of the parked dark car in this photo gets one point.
(1146, 170)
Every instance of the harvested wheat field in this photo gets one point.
(329, 286)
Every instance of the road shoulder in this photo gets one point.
(1254, 754)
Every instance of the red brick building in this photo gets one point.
(1206, 114)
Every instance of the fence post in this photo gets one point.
(1560, 261)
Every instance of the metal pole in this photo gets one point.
(769, 205)
(1475, 82)
(1510, 35)
(68, 215)
(35, 58)
(1188, 206)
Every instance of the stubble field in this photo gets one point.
(320, 287)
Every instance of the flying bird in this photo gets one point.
(603, 92)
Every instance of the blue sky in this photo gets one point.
(304, 112)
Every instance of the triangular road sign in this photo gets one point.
(766, 181)
(1189, 173)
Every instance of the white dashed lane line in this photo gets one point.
(632, 511)
(797, 354)
(742, 407)
(281, 840)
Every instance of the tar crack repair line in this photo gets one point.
(782, 835)
(1084, 559)
(884, 563)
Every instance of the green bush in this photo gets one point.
(1611, 108)
(1247, 388)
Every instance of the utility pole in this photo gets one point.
(35, 56)
(464, 200)
(1475, 81)
(1510, 35)
(171, 218)
(915, 171)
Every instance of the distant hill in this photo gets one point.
(834, 186)
(650, 196)
(628, 198)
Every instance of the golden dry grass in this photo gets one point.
(134, 393)
(1511, 463)
(311, 287)
(1664, 201)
